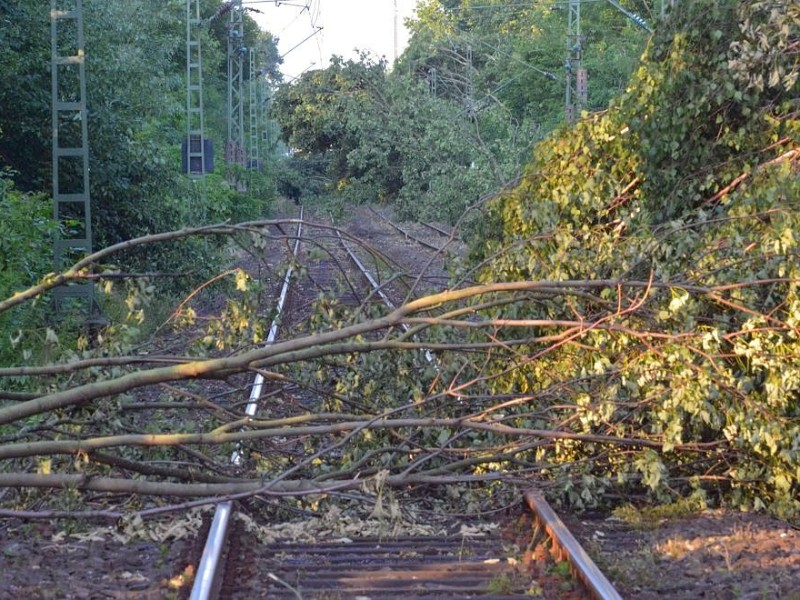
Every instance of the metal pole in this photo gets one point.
(266, 126)
(576, 94)
(471, 108)
(252, 109)
(234, 150)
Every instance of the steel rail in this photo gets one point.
(208, 571)
(372, 281)
(582, 564)
(377, 287)
(406, 233)
(437, 229)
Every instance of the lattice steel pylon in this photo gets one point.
(266, 108)
(234, 148)
(195, 135)
(433, 81)
(70, 145)
(577, 83)
(253, 110)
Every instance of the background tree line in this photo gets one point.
(478, 85)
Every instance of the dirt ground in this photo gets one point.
(714, 555)
(45, 562)
(719, 555)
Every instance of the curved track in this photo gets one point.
(209, 571)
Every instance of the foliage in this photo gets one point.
(136, 97)
(651, 517)
(138, 104)
(384, 138)
(316, 111)
(25, 106)
(635, 327)
(690, 181)
(25, 223)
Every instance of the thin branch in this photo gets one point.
(111, 485)
(90, 363)
(55, 447)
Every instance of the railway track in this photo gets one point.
(265, 547)
(235, 564)
(448, 235)
(210, 568)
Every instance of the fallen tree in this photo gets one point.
(634, 329)
(410, 422)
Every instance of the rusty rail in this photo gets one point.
(582, 564)
(437, 229)
(408, 235)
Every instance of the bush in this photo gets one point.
(26, 255)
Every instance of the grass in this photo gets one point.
(651, 517)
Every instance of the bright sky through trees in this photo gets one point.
(347, 25)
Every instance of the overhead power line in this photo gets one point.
(540, 4)
(297, 45)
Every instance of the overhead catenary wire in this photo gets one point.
(303, 41)
(293, 21)
(313, 20)
(548, 74)
(306, 7)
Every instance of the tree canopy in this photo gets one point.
(136, 100)
(460, 110)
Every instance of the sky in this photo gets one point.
(346, 25)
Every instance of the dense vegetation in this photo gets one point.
(665, 226)
(136, 69)
(685, 198)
